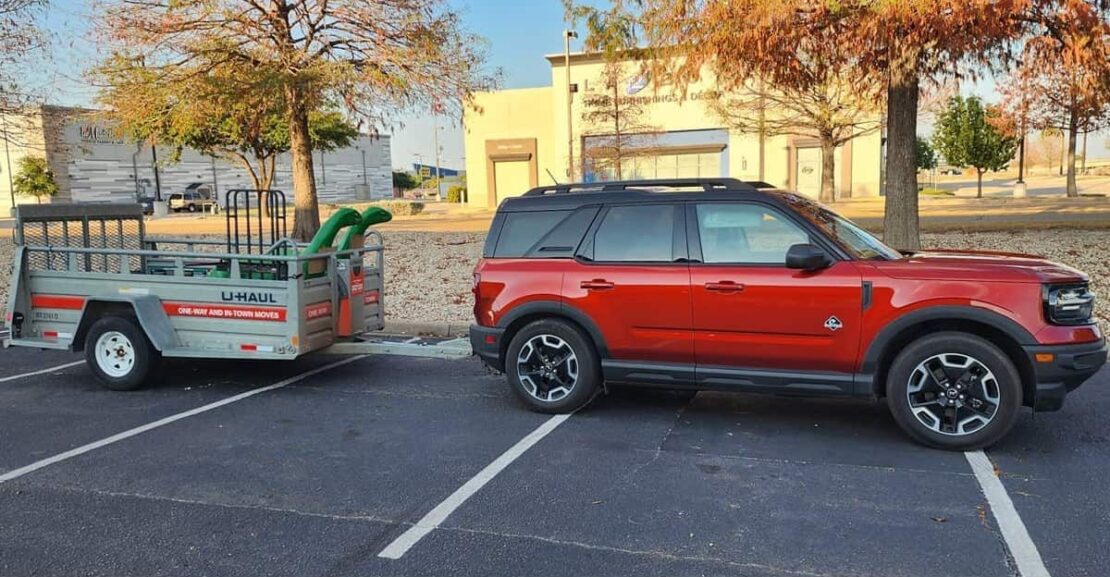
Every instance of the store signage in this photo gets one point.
(96, 134)
(639, 83)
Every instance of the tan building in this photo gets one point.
(517, 139)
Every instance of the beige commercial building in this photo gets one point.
(517, 139)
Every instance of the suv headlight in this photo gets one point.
(1069, 305)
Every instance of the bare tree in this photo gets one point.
(832, 112)
(615, 127)
(19, 36)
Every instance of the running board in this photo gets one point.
(458, 348)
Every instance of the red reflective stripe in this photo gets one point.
(247, 347)
(57, 302)
(317, 310)
(50, 334)
(217, 311)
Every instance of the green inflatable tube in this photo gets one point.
(370, 217)
(342, 218)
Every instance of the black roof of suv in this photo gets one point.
(570, 196)
(550, 221)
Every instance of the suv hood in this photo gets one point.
(979, 266)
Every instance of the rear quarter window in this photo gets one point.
(521, 230)
(542, 234)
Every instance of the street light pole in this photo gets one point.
(8, 160)
(567, 35)
(435, 144)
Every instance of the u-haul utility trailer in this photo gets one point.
(85, 278)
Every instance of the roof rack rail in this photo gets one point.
(705, 183)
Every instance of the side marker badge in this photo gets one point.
(833, 324)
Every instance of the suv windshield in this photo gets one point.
(858, 242)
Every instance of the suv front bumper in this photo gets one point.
(1071, 366)
(486, 342)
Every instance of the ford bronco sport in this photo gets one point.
(735, 288)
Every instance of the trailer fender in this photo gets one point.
(147, 309)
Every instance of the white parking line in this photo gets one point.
(41, 372)
(1026, 556)
(437, 516)
(15, 474)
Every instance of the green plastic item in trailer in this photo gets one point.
(342, 218)
(370, 217)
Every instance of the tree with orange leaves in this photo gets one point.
(1063, 80)
(902, 42)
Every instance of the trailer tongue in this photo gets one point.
(86, 278)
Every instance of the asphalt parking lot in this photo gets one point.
(322, 474)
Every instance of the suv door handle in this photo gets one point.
(725, 286)
(598, 284)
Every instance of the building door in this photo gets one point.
(510, 178)
(808, 171)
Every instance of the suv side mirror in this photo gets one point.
(807, 257)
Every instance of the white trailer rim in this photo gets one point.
(115, 355)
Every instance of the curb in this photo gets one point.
(433, 329)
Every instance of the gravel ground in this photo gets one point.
(428, 275)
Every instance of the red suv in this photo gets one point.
(734, 288)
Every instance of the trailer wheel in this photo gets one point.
(118, 352)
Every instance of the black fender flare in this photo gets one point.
(875, 351)
(557, 308)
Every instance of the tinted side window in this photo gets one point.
(523, 229)
(746, 234)
(642, 233)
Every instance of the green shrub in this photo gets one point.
(935, 192)
(401, 207)
(455, 193)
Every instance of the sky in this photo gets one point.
(518, 34)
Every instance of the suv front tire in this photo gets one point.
(552, 367)
(954, 391)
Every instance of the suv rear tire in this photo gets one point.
(954, 391)
(552, 367)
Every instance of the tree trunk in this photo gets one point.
(306, 216)
(828, 171)
(900, 222)
(1073, 137)
(979, 184)
(264, 182)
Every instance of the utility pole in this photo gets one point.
(1083, 168)
(1019, 187)
(8, 159)
(567, 35)
(154, 165)
(435, 144)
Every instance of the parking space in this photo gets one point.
(1055, 467)
(323, 474)
(20, 362)
(719, 480)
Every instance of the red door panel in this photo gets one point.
(772, 317)
(643, 311)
